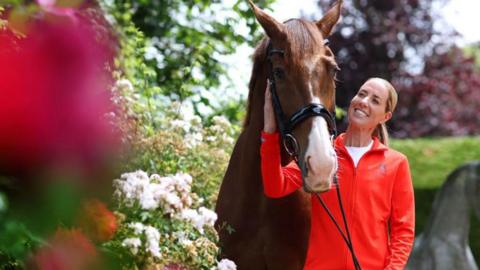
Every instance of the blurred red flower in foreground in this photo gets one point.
(67, 250)
(53, 97)
(97, 221)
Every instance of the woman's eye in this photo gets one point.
(278, 73)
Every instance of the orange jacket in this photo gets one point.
(378, 201)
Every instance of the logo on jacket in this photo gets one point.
(383, 169)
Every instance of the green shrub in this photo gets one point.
(431, 160)
(154, 230)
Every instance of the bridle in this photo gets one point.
(285, 125)
(290, 143)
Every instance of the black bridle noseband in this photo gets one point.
(290, 143)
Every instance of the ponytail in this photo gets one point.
(381, 133)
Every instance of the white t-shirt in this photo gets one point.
(357, 152)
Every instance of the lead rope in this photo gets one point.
(352, 251)
(347, 238)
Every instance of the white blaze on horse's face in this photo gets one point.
(320, 158)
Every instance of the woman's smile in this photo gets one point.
(360, 113)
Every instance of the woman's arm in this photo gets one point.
(402, 218)
(277, 181)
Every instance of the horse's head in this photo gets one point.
(303, 69)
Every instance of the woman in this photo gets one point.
(374, 182)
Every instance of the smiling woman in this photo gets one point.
(374, 182)
(371, 108)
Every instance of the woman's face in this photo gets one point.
(367, 108)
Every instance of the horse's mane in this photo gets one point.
(303, 38)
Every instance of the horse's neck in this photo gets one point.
(248, 145)
(251, 132)
(246, 154)
(451, 213)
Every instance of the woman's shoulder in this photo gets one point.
(395, 155)
(389, 151)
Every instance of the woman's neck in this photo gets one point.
(357, 137)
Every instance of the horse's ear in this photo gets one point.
(330, 19)
(273, 29)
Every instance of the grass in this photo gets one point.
(431, 161)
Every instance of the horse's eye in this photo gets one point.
(334, 70)
(278, 73)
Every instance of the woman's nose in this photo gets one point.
(364, 101)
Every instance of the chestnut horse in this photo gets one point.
(257, 232)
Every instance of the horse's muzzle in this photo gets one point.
(319, 174)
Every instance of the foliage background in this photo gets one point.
(184, 45)
(410, 44)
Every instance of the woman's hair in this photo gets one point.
(381, 131)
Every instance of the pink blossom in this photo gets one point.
(54, 95)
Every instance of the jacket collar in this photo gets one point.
(340, 144)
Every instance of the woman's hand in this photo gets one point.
(269, 124)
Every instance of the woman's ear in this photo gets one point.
(387, 117)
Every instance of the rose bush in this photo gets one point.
(166, 221)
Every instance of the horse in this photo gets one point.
(444, 242)
(257, 232)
